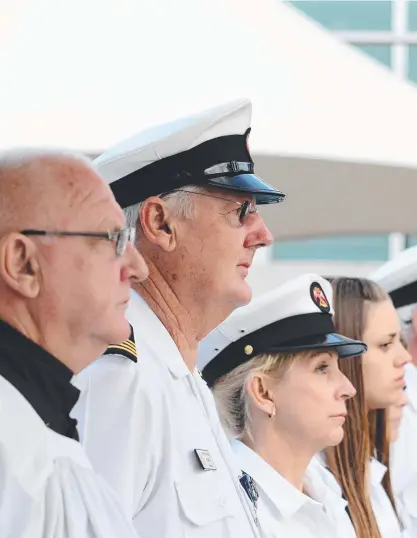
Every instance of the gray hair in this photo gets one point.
(180, 203)
(231, 393)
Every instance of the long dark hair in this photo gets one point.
(366, 432)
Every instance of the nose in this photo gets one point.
(134, 267)
(346, 390)
(258, 233)
(403, 357)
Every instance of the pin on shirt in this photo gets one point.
(248, 484)
(205, 460)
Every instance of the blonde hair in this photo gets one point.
(231, 394)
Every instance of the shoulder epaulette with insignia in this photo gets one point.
(127, 348)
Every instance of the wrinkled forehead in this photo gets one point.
(90, 202)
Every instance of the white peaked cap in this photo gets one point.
(399, 278)
(293, 317)
(208, 149)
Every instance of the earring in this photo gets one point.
(272, 413)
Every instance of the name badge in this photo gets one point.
(205, 460)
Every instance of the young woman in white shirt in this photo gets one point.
(273, 367)
(360, 463)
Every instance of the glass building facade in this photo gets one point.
(386, 30)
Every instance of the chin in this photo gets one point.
(335, 437)
(120, 331)
(243, 295)
(394, 436)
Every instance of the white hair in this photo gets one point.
(231, 391)
(180, 203)
(13, 159)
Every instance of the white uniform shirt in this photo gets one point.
(284, 511)
(404, 457)
(47, 486)
(385, 516)
(140, 424)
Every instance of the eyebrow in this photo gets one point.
(390, 336)
(323, 351)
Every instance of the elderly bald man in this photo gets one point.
(66, 265)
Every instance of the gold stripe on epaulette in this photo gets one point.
(129, 349)
(122, 348)
(129, 345)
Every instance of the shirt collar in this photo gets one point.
(151, 333)
(40, 377)
(284, 496)
(377, 472)
(321, 484)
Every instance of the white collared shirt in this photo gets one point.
(404, 457)
(141, 423)
(47, 485)
(385, 516)
(284, 511)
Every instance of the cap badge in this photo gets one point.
(319, 297)
(248, 350)
(247, 140)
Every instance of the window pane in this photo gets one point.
(382, 53)
(343, 248)
(410, 241)
(412, 63)
(348, 14)
(412, 16)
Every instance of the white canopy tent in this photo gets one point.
(332, 128)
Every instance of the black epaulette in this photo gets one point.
(127, 348)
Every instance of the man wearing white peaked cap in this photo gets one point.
(147, 419)
(399, 278)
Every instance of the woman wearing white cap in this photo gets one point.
(273, 367)
(360, 464)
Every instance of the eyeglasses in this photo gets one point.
(247, 207)
(121, 238)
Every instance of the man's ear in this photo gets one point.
(156, 225)
(19, 265)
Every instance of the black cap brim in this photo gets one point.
(344, 347)
(248, 183)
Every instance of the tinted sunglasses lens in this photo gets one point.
(244, 210)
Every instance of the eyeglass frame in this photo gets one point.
(121, 238)
(244, 206)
